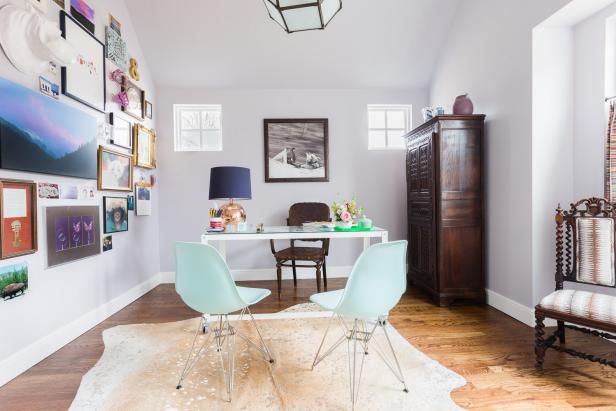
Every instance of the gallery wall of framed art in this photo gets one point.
(49, 141)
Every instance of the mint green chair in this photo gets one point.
(204, 282)
(375, 286)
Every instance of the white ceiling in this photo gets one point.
(234, 44)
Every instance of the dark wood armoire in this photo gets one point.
(445, 185)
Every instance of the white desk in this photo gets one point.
(291, 233)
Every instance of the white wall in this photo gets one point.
(377, 178)
(489, 56)
(594, 80)
(552, 145)
(64, 301)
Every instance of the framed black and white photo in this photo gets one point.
(121, 131)
(296, 150)
(136, 99)
(84, 81)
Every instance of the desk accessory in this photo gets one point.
(345, 213)
(231, 183)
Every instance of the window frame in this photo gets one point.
(177, 127)
(408, 112)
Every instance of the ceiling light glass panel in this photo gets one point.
(303, 18)
(275, 14)
(329, 8)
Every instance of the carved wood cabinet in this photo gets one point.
(445, 181)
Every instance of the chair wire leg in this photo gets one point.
(399, 375)
(331, 349)
(192, 360)
(354, 379)
(263, 347)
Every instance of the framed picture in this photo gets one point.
(62, 140)
(136, 99)
(296, 150)
(49, 190)
(115, 170)
(145, 146)
(84, 81)
(121, 131)
(131, 202)
(17, 218)
(148, 109)
(116, 48)
(13, 281)
(143, 196)
(107, 243)
(73, 233)
(116, 214)
(83, 13)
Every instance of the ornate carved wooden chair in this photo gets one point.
(313, 256)
(584, 254)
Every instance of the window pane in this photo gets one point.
(394, 138)
(212, 140)
(376, 139)
(376, 119)
(211, 120)
(396, 119)
(190, 140)
(189, 120)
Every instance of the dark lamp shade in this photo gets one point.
(230, 182)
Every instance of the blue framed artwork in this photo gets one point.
(42, 135)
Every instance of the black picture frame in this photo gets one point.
(107, 199)
(66, 19)
(54, 216)
(273, 132)
(128, 87)
(119, 123)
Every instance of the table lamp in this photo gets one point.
(231, 183)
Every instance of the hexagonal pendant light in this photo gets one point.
(301, 15)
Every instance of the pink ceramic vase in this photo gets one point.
(463, 105)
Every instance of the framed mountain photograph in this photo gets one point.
(296, 150)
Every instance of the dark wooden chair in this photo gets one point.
(584, 254)
(314, 257)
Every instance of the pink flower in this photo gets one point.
(346, 216)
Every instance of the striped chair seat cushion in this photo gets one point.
(583, 304)
(595, 251)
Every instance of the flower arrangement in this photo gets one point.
(347, 211)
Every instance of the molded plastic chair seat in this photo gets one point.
(329, 300)
(252, 296)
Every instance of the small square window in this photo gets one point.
(387, 123)
(197, 127)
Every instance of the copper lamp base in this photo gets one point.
(233, 214)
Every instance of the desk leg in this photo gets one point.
(385, 237)
(366, 243)
(222, 249)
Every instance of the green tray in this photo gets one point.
(353, 229)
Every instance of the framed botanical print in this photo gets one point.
(116, 214)
(73, 233)
(115, 170)
(145, 146)
(148, 109)
(136, 99)
(17, 218)
(84, 81)
(296, 150)
(121, 131)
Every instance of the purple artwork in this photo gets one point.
(88, 230)
(62, 233)
(75, 238)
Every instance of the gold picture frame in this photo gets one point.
(115, 170)
(145, 146)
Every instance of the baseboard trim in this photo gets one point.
(262, 274)
(29, 356)
(514, 309)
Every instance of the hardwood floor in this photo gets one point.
(491, 350)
